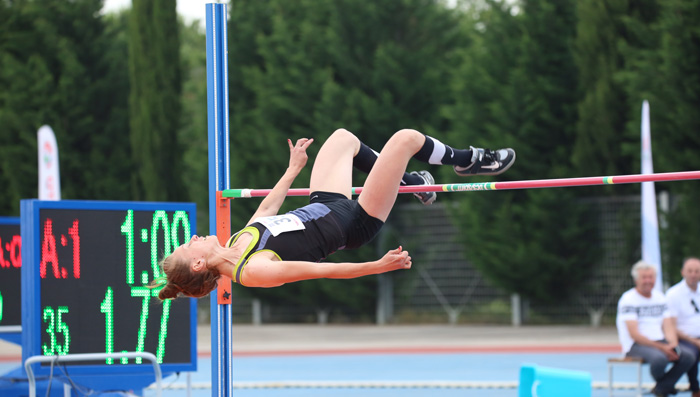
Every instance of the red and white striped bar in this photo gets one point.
(510, 185)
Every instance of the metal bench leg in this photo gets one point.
(639, 380)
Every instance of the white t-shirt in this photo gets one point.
(648, 312)
(684, 304)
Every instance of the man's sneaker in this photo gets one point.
(426, 198)
(487, 162)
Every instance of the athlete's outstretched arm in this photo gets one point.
(264, 272)
(297, 160)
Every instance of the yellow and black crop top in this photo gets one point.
(320, 237)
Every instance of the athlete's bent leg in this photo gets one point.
(332, 170)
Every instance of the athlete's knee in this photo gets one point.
(409, 137)
(343, 134)
(345, 139)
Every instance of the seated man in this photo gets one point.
(683, 301)
(646, 330)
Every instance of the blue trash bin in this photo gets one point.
(536, 381)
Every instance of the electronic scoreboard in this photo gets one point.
(10, 279)
(86, 270)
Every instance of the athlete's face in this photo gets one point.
(197, 249)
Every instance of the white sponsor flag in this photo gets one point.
(49, 179)
(651, 248)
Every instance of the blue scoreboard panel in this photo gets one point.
(87, 266)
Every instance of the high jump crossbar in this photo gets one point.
(508, 185)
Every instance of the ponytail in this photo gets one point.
(168, 292)
(180, 280)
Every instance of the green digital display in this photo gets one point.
(93, 267)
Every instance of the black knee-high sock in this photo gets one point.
(366, 157)
(436, 152)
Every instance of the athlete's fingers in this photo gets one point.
(306, 142)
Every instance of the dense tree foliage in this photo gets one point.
(307, 68)
(519, 83)
(602, 108)
(192, 133)
(154, 100)
(664, 57)
(63, 65)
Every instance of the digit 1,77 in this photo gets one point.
(107, 308)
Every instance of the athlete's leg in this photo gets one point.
(332, 170)
(366, 157)
(379, 193)
(382, 185)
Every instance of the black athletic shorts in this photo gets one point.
(359, 227)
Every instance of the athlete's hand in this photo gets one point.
(396, 259)
(297, 153)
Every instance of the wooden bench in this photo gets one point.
(613, 361)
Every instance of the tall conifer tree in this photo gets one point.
(602, 109)
(154, 100)
(307, 67)
(533, 241)
(61, 66)
(680, 139)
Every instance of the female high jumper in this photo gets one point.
(272, 249)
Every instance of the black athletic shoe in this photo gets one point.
(487, 162)
(426, 198)
(657, 393)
